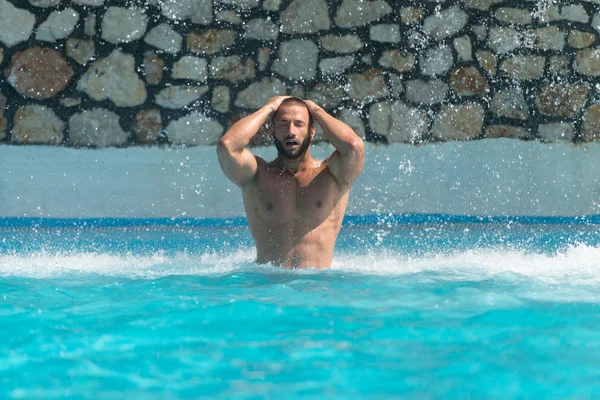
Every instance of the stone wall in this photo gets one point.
(115, 73)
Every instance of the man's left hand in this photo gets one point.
(312, 106)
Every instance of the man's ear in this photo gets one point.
(313, 131)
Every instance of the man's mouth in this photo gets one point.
(290, 143)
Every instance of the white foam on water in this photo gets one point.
(577, 265)
(57, 264)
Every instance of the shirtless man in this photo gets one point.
(295, 204)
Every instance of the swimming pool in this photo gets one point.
(418, 307)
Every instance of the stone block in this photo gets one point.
(221, 98)
(368, 86)
(258, 93)
(297, 59)
(385, 33)
(401, 61)
(559, 66)
(89, 25)
(114, 78)
(353, 119)
(38, 73)
(562, 99)
(3, 127)
(514, 16)
(3, 101)
(464, 48)
(341, 44)
(398, 122)
(70, 101)
(305, 16)
(96, 128)
(591, 123)
(482, 5)
(229, 16)
(524, 68)
(232, 69)
(190, 67)
(335, 65)
(165, 38)
(194, 129)
(36, 124)
(504, 39)
(587, 62)
(124, 25)
(468, 81)
(395, 84)
(199, 11)
(506, 131)
(211, 41)
(480, 32)
(556, 132)
(445, 23)
(574, 13)
(153, 68)
(91, 3)
(80, 50)
(459, 122)
(488, 61)
(347, 16)
(179, 96)
(44, 3)
(261, 29)
(241, 5)
(58, 25)
(510, 103)
(580, 39)
(549, 38)
(271, 5)
(263, 58)
(328, 94)
(411, 15)
(147, 126)
(20, 27)
(437, 61)
(426, 92)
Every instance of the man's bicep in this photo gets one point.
(346, 168)
(238, 166)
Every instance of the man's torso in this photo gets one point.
(295, 218)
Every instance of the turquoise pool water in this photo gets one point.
(426, 308)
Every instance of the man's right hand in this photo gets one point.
(275, 102)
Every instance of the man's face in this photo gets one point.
(292, 134)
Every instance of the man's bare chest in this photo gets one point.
(287, 199)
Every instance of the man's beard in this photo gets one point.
(293, 154)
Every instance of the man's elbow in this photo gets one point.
(357, 146)
(224, 145)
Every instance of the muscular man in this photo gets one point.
(295, 204)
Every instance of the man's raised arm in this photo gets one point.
(237, 162)
(346, 163)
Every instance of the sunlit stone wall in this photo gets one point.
(103, 73)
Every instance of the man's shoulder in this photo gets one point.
(260, 161)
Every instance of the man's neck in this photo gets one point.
(292, 166)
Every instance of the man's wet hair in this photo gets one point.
(295, 102)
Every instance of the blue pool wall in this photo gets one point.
(486, 179)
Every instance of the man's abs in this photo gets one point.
(284, 246)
